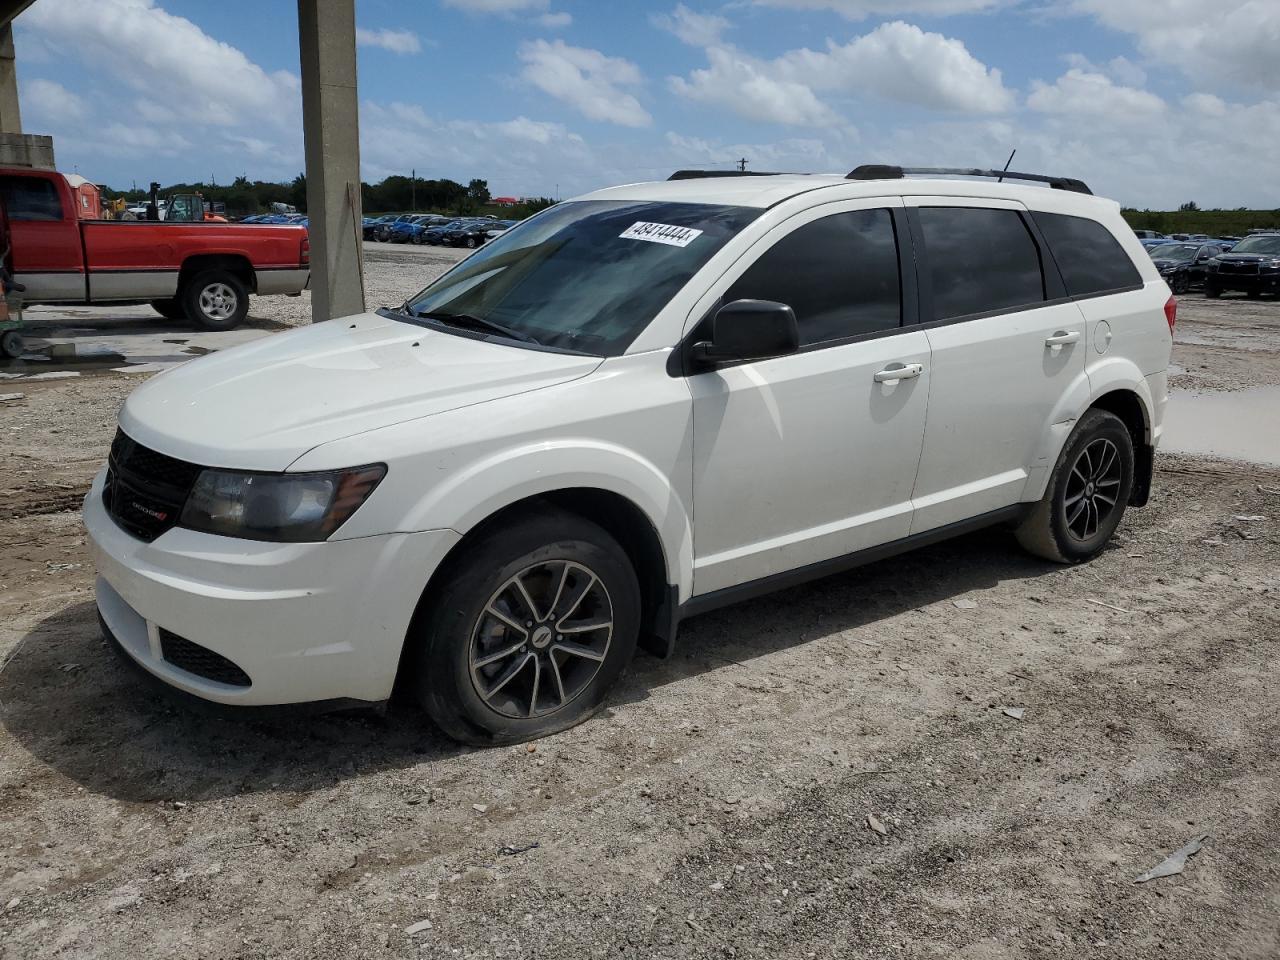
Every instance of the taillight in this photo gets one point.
(306, 258)
(1171, 313)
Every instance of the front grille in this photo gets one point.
(201, 661)
(1239, 269)
(144, 490)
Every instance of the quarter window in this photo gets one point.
(839, 274)
(1090, 259)
(980, 261)
(30, 198)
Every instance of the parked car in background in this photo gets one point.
(1231, 240)
(1148, 244)
(498, 227)
(1149, 235)
(199, 271)
(665, 398)
(372, 226)
(388, 224)
(1184, 265)
(470, 235)
(1252, 265)
(436, 234)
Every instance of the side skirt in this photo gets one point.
(666, 630)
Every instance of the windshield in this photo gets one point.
(586, 275)
(1174, 251)
(1268, 245)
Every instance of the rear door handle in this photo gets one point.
(899, 371)
(1062, 338)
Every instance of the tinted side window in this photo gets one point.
(839, 274)
(1090, 259)
(30, 198)
(980, 261)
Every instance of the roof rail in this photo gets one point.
(708, 174)
(878, 171)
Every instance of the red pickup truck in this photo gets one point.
(201, 271)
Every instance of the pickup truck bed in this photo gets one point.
(203, 271)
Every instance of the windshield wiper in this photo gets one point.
(471, 321)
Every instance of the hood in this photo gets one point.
(1166, 264)
(262, 405)
(1248, 257)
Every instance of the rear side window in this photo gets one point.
(30, 198)
(980, 261)
(839, 274)
(1090, 259)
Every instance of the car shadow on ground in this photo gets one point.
(68, 701)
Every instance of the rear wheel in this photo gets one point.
(529, 632)
(1087, 492)
(12, 344)
(471, 243)
(216, 300)
(170, 309)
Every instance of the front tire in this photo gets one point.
(529, 632)
(12, 344)
(1212, 292)
(216, 300)
(1180, 284)
(1087, 493)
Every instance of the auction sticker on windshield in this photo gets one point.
(661, 233)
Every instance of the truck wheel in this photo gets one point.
(12, 344)
(528, 633)
(1087, 494)
(169, 309)
(216, 300)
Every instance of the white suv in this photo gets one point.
(634, 407)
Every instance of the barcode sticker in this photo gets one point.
(661, 233)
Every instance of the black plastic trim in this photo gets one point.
(880, 171)
(824, 568)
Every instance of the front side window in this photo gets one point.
(586, 276)
(981, 261)
(30, 198)
(839, 274)
(1090, 259)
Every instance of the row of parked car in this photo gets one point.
(435, 229)
(1216, 264)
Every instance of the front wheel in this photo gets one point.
(1212, 291)
(1180, 284)
(12, 344)
(216, 300)
(471, 243)
(1087, 493)
(530, 630)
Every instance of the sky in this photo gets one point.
(1151, 103)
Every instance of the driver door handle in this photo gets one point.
(1062, 337)
(902, 371)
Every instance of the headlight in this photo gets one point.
(280, 507)
(1164, 270)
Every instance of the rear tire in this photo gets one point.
(170, 309)
(215, 300)
(1074, 521)
(505, 652)
(12, 344)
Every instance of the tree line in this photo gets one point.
(395, 194)
(1189, 218)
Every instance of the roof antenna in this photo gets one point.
(1006, 166)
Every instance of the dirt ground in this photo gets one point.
(720, 807)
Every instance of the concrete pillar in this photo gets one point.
(331, 133)
(10, 118)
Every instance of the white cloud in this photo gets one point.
(587, 80)
(896, 61)
(858, 9)
(1082, 94)
(753, 89)
(391, 40)
(691, 27)
(1235, 40)
(47, 102)
(1120, 69)
(554, 21)
(149, 49)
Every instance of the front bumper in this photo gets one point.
(306, 621)
(1263, 282)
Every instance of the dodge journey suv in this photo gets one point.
(631, 408)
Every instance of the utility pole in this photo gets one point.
(742, 165)
(413, 189)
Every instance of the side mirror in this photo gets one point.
(749, 330)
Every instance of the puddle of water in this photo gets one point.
(1239, 424)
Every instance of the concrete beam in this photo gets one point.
(331, 135)
(10, 116)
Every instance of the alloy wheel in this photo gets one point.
(541, 639)
(218, 301)
(1093, 487)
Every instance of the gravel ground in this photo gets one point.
(720, 807)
